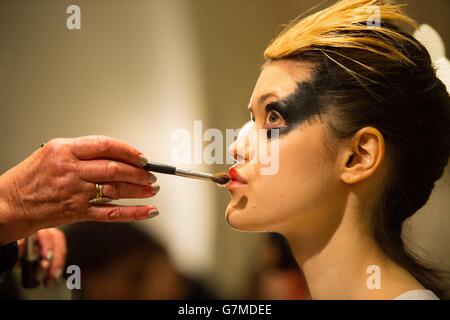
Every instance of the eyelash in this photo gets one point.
(268, 114)
(279, 117)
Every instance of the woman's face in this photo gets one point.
(306, 173)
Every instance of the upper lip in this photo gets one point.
(235, 176)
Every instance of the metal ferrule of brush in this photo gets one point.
(31, 248)
(191, 174)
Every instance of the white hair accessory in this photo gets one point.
(433, 42)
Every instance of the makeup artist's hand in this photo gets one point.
(53, 250)
(55, 184)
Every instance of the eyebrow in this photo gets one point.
(263, 98)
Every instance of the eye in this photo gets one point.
(274, 120)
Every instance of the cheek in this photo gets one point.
(295, 191)
(301, 178)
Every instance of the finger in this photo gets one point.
(46, 244)
(111, 213)
(42, 274)
(60, 253)
(21, 246)
(106, 171)
(123, 190)
(95, 147)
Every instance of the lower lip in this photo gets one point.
(234, 184)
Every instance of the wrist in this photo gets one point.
(4, 215)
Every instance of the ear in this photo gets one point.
(363, 156)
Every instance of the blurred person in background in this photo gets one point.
(277, 275)
(52, 258)
(121, 261)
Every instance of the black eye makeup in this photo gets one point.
(273, 122)
(288, 113)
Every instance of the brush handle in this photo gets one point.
(160, 168)
(166, 169)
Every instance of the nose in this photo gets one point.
(242, 149)
(237, 150)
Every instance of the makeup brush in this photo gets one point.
(220, 178)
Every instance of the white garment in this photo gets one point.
(420, 294)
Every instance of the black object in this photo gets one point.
(9, 254)
(29, 263)
(29, 271)
(160, 168)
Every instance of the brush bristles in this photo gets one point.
(346, 25)
(221, 178)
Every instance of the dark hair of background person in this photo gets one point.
(93, 246)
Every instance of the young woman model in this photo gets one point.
(363, 129)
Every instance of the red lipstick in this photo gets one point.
(236, 179)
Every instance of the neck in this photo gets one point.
(339, 263)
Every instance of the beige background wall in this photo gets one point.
(131, 72)
(140, 69)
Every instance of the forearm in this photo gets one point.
(5, 221)
(8, 241)
(10, 224)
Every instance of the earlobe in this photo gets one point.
(364, 155)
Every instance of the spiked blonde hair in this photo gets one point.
(345, 25)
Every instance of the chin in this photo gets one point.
(245, 220)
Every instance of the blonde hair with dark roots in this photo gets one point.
(370, 71)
